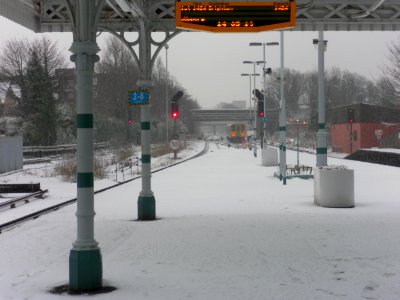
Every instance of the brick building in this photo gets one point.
(372, 126)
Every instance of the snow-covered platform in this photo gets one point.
(228, 229)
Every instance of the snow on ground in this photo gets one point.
(61, 190)
(227, 230)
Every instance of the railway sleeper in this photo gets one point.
(26, 199)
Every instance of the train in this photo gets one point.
(236, 133)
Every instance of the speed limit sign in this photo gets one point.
(174, 144)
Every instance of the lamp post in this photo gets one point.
(255, 111)
(166, 91)
(250, 75)
(265, 71)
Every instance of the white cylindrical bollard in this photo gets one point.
(269, 157)
(334, 186)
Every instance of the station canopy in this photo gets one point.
(123, 15)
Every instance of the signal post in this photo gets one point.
(175, 117)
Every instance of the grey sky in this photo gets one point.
(209, 65)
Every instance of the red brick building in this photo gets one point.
(370, 127)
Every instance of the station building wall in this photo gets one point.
(367, 120)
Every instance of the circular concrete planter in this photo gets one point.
(269, 157)
(334, 186)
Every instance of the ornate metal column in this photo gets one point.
(85, 264)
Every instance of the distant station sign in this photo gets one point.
(139, 97)
(235, 16)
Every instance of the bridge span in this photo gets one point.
(215, 121)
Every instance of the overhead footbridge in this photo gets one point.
(215, 121)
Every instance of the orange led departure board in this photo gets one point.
(235, 16)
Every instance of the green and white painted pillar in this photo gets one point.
(322, 156)
(146, 201)
(282, 118)
(85, 263)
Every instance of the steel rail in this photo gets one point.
(25, 198)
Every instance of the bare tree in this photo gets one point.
(386, 93)
(311, 97)
(160, 82)
(50, 56)
(392, 70)
(293, 89)
(13, 62)
(117, 74)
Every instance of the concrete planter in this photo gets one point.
(269, 157)
(334, 186)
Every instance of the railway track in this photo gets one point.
(25, 199)
(55, 207)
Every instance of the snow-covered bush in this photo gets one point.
(67, 168)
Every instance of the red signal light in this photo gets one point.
(350, 115)
(130, 122)
(174, 110)
(261, 114)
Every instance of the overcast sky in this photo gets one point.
(209, 65)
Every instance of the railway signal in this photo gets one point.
(175, 106)
(350, 115)
(177, 96)
(174, 110)
(261, 109)
(130, 119)
(258, 95)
